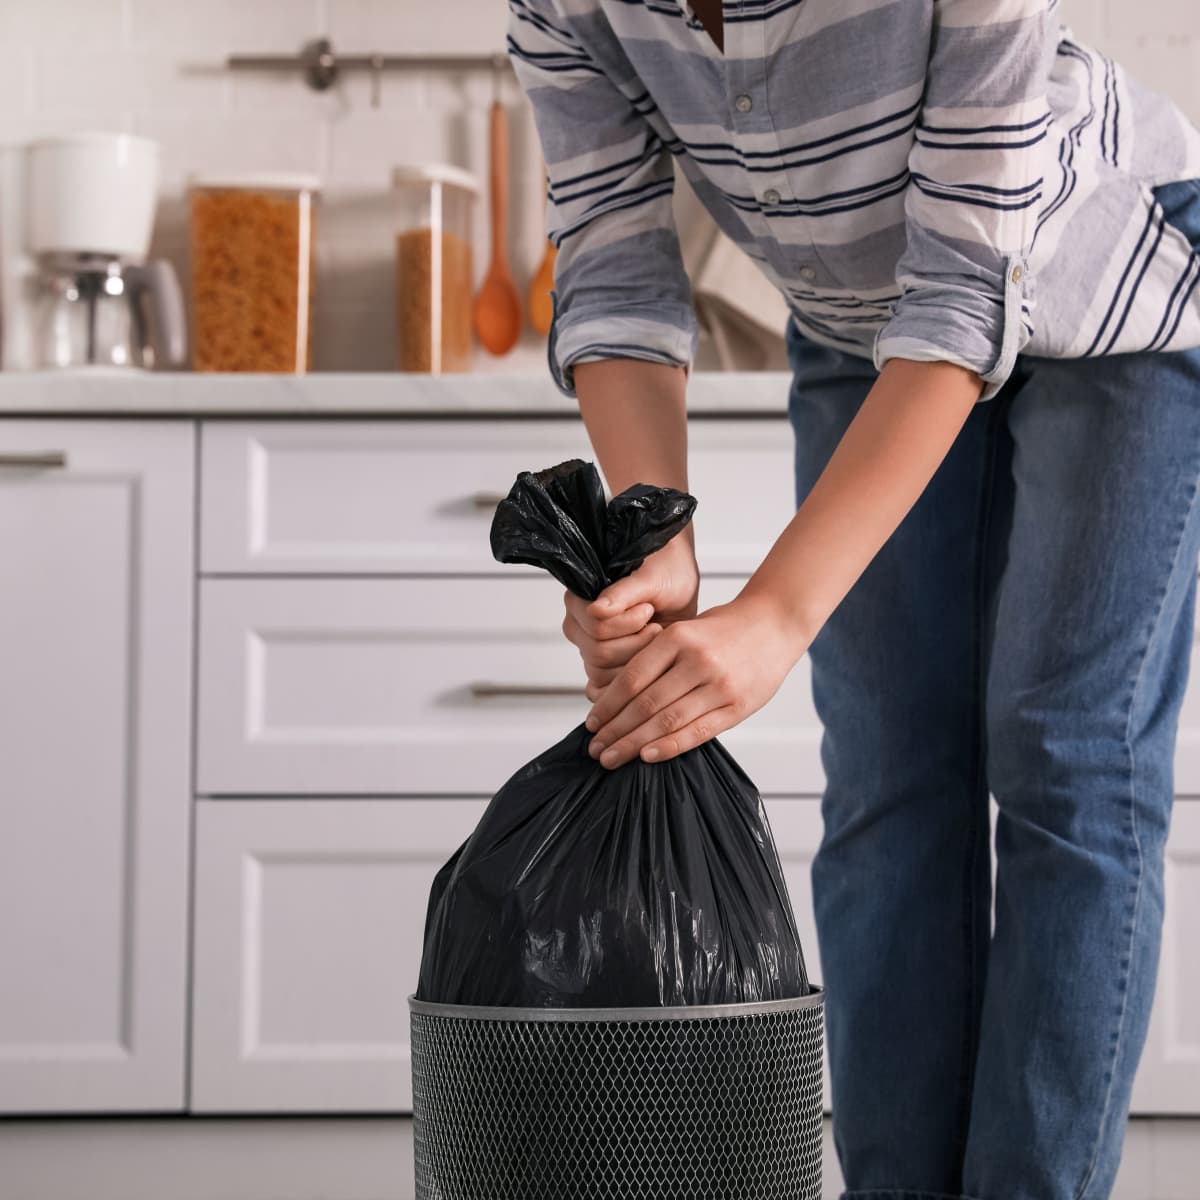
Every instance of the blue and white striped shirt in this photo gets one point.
(953, 180)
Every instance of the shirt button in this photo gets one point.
(807, 273)
(1017, 274)
(770, 196)
(743, 103)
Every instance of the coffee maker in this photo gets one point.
(76, 289)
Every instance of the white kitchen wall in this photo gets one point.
(157, 67)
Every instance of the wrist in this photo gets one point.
(795, 625)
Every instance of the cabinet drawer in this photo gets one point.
(1168, 1080)
(378, 498)
(309, 926)
(385, 686)
(309, 920)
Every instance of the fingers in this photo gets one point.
(624, 622)
(694, 734)
(660, 705)
(665, 729)
(613, 653)
(642, 670)
(632, 592)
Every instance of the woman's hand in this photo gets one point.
(695, 679)
(617, 624)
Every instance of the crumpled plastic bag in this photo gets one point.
(652, 884)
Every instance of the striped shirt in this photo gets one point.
(953, 180)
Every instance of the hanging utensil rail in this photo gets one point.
(320, 65)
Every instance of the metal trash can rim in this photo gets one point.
(679, 1012)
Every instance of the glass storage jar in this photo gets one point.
(252, 272)
(434, 278)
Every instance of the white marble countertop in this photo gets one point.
(181, 394)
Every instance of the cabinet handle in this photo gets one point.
(43, 459)
(488, 499)
(482, 690)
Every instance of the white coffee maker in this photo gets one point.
(76, 289)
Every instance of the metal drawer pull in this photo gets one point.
(483, 690)
(488, 499)
(46, 458)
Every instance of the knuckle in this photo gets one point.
(669, 720)
(605, 656)
(645, 707)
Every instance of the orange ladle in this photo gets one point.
(541, 306)
(497, 312)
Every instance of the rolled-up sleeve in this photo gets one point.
(620, 289)
(976, 174)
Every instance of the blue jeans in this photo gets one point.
(1026, 631)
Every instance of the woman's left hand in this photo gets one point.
(694, 680)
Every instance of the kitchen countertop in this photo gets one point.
(182, 394)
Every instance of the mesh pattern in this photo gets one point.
(711, 1108)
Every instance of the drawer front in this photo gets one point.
(309, 924)
(309, 920)
(386, 686)
(1168, 1079)
(367, 498)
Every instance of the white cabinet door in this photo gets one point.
(385, 686)
(1168, 1079)
(310, 917)
(96, 581)
(405, 496)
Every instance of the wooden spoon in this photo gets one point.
(497, 307)
(541, 307)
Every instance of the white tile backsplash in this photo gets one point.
(157, 67)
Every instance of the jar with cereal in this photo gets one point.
(252, 272)
(434, 280)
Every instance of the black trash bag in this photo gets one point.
(649, 885)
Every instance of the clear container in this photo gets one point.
(434, 281)
(252, 272)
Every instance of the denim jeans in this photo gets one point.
(1025, 632)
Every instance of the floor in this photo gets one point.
(1161, 1162)
(361, 1158)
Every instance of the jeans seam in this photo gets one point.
(1139, 677)
(978, 731)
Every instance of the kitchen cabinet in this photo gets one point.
(96, 575)
(374, 686)
(1168, 1079)
(309, 922)
(366, 675)
(377, 498)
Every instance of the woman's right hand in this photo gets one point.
(611, 629)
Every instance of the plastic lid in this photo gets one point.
(435, 173)
(264, 181)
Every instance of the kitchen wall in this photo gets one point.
(156, 67)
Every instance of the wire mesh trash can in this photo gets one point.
(712, 1102)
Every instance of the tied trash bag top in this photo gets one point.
(653, 884)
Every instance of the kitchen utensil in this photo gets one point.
(497, 307)
(252, 272)
(541, 304)
(434, 274)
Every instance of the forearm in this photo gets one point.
(883, 463)
(635, 413)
